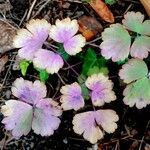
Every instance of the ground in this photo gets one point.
(133, 132)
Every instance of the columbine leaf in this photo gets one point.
(134, 22)
(27, 91)
(64, 31)
(138, 93)
(140, 47)
(45, 119)
(133, 70)
(48, 60)
(31, 39)
(24, 66)
(18, 117)
(101, 89)
(71, 97)
(90, 123)
(116, 43)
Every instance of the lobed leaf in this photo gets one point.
(135, 69)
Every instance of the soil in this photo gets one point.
(133, 132)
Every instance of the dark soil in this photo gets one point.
(133, 131)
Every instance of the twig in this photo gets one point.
(142, 140)
(30, 10)
(40, 9)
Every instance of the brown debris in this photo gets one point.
(102, 10)
(7, 32)
(3, 61)
(89, 27)
(146, 4)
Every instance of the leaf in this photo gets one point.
(71, 97)
(62, 52)
(45, 119)
(116, 43)
(31, 109)
(24, 64)
(110, 2)
(89, 60)
(135, 69)
(89, 27)
(65, 31)
(140, 47)
(31, 39)
(48, 60)
(27, 91)
(18, 117)
(91, 123)
(101, 89)
(134, 21)
(102, 10)
(43, 75)
(138, 93)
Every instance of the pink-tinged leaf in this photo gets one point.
(107, 119)
(72, 97)
(140, 47)
(101, 89)
(31, 39)
(90, 123)
(27, 91)
(133, 21)
(135, 69)
(48, 60)
(74, 45)
(138, 93)
(116, 43)
(18, 117)
(45, 119)
(63, 30)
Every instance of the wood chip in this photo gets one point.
(146, 4)
(7, 32)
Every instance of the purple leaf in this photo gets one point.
(101, 89)
(64, 32)
(31, 39)
(72, 97)
(18, 117)
(90, 123)
(48, 60)
(27, 91)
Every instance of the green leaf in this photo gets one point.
(110, 2)
(62, 52)
(24, 64)
(43, 75)
(93, 64)
(89, 60)
(93, 70)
